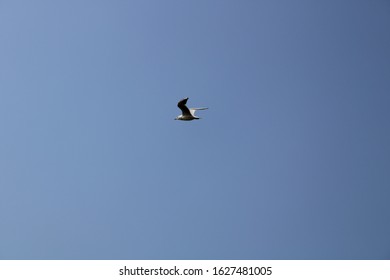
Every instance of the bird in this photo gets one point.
(187, 114)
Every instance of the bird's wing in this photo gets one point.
(182, 105)
(193, 110)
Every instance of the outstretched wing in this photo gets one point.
(193, 110)
(182, 105)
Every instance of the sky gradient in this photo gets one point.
(291, 161)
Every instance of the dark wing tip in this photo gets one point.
(182, 102)
(183, 107)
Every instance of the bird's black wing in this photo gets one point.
(183, 107)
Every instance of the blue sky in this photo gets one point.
(291, 161)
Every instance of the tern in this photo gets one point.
(187, 114)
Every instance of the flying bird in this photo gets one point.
(187, 114)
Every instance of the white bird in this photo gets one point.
(187, 114)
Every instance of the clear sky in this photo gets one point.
(291, 161)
